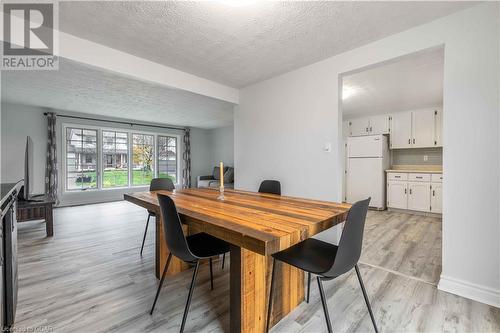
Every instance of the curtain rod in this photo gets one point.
(119, 122)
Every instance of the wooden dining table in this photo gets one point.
(256, 225)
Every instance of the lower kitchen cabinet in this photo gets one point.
(397, 194)
(437, 198)
(415, 191)
(419, 196)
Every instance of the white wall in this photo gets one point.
(19, 121)
(282, 124)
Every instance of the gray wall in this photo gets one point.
(222, 141)
(416, 156)
(19, 121)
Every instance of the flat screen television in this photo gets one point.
(28, 168)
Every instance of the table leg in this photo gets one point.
(49, 221)
(161, 252)
(250, 280)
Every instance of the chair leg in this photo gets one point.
(145, 233)
(366, 297)
(223, 260)
(308, 286)
(325, 308)
(191, 289)
(161, 282)
(211, 276)
(270, 304)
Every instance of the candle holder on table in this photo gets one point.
(221, 193)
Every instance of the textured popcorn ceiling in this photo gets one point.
(79, 88)
(238, 46)
(412, 82)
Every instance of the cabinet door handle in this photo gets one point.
(409, 141)
(371, 129)
(433, 193)
(405, 191)
(410, 191)
(367, 129)
(419, 177)
(413, 141)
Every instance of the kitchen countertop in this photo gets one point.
(414, 171)
(416, 168)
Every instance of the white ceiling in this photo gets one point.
(238, 46)
(412, 82)
(79, 88)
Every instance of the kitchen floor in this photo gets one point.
(404, 244)
(90, 278)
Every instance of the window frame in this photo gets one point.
(100, 154)
(101, 169)
(65, 164)
(176, 155)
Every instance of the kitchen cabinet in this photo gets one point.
(419, 196)
(439, 128)
(416, 129)
(359, 126)
(401, 130)
(437, 198)
(423, 128)
(417, 191)
(345, 129)
(379, 124)
(397, 194)
(369, 125)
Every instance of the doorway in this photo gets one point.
(393, 152)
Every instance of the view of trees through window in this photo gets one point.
(119, 159)
(142, 154)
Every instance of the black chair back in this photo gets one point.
(165, 184)
(172, 229)
(351, 241)
(270, 186)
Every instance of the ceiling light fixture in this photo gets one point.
(348, 91)
(237, 3)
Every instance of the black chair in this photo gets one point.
(326, 260)
(189, 249)
(270, 186)
(157, 184)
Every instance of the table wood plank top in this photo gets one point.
(263, 223)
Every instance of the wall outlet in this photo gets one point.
(426, 158)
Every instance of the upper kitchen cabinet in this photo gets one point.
(401, 130)
(379, 124)
(439, 128)
(369, 125)
(416, 129)
(359, 126)
(423, 128)
(346, 131)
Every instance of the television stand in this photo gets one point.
(38, 209)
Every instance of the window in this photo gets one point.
(167, 157)
(143, 158)
(115, 159)
(111, 158)
(81, 158)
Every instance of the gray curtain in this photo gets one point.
(186, 157)
(51, 161)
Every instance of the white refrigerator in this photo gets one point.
(367, 159)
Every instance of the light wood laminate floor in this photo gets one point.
(90, 278)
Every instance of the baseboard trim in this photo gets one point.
(470, 290)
